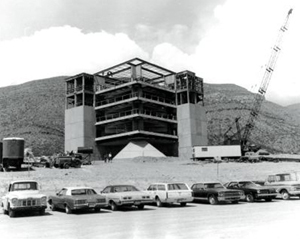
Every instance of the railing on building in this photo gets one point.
(117, 133)
(116, 99)
(73, 89)
(136, 111)
(134, 95)
(101, 87)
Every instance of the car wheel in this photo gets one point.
(42, 211)
(212, 200)
(11, 213)
(51, 206)
(19, 166)
(285, 195)
(97, 209)
(5, 168)
(68, 209)
(249, 198)
(183, 204)
(141, 207)
(77, 164)
(66, 166)
(5, 212)
(113, 206)
(158, 202)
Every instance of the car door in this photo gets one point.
(106, 192)
(59, 200)
(152, 190)
(199, 191)
(161, 191)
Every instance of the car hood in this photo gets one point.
(255, 187)
(259, 187)
(223, 190)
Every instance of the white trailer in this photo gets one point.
(217, 151)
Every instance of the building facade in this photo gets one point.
(135, 100)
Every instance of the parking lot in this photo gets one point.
(277, 219)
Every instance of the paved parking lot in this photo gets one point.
(277, 219)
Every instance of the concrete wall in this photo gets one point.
(192, 128)
(79, 128)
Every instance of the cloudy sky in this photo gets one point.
(223, 41)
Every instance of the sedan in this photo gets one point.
(215, 192)
(76, 198)
(254, 191)
(125, 195)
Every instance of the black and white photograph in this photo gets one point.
(149, 119)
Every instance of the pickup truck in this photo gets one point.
(23, 195)
(169, 193)
(287, 184)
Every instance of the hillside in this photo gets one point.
(277, 128)
(295, 108)
(35, 111)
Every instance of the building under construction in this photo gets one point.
(133, 102)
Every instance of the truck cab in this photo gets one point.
(287, 184)
(23, 195)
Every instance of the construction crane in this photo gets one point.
(259, 97)
(229, 139)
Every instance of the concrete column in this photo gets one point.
(192, 128)
(79, 128)
(133, 73)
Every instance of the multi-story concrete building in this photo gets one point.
(133, 101)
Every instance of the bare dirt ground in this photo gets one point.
(143, 171)
(257, 220)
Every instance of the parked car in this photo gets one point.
(169, 193)
(253, 191)
(286, 184)
(215, 192)
(125, 195)
(23, 195)
(77, 198)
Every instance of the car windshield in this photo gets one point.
(213, 185)
(24, 186)
(125, 189)
(83, 191)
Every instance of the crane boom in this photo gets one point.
(259, 97)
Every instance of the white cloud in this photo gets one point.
(237, 49)
(63, 51)
(166, 53)
(233, 51)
